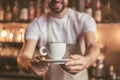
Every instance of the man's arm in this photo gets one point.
(29, 64)
(92, 49)
(79, 62)
(26, 55)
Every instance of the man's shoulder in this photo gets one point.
(40, 19)
(78, 14)
(72, 11)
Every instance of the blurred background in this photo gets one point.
(15, 15)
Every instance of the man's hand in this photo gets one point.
(39, 67)
(76, 64)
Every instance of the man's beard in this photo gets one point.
(55, 10)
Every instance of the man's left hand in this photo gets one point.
(76, 64)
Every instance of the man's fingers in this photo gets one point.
(75, 68)
(37, 59)
(75, 56)
(40, 57)
(74, 62)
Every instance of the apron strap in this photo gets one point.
(81, 37)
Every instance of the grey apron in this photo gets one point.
(56, 72)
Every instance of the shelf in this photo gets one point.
(19, 75)
(13, 25)
(13, 44)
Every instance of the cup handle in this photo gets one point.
(43, 51)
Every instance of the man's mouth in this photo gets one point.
(56, 5)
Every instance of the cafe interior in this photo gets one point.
(15, 15)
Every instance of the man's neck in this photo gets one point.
(59, 15)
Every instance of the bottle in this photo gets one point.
(8, 13)
(98, 12)
(38, 8)
(100, 69)
(88, 7)
(113, 74)
(16, 11)
(1, 11)
(31, 11)
(73, 5)
(24, 11)
(45, 6)
(81, 5)
(107, 13)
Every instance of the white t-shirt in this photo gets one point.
(60, 30)
(66, 29)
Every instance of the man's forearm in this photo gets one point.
(92, 54)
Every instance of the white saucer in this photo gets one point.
(61, 61)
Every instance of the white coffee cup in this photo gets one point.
(54, 50)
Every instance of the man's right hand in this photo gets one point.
(39, 67)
